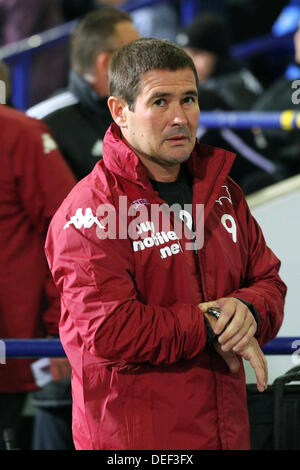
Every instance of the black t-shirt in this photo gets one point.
(178, 193)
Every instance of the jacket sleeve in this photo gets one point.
(96, 279)
(43, 180)
(263, 287)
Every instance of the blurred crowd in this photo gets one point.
(67, 119)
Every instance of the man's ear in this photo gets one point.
(118, 109)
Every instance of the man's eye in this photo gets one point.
(189, 99)
(160, 102)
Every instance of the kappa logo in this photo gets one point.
(226, 197)
(87, 220)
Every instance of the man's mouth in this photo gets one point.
(179, 138)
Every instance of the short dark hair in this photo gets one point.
(94, 34)
(132, 61)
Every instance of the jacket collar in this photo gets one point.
(121, 160)
(209, 165)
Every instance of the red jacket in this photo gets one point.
(34, 180)
(143, 376)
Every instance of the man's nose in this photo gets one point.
(178, 116)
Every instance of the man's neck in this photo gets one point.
(162, 174)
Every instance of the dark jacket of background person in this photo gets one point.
(283, 145)
(227, 85)
(78, 120)
(80, 117)
(20, 19)
(229, 79)
(34, 180)
(283, 95)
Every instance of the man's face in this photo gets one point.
(162, 127)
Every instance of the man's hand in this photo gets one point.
(251, 353)
(229, 357)
(256, 357)
(60, 368)
(242, 326)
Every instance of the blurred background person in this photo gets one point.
(208, 41)
(228, 85)
(283, 94)
(80, 116)
(161, 19)
(34, 180)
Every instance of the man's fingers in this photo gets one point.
(233, 317)
(235, 325)
(239, 340)
(223, 321)
(256, 357)
(260, 373)
(226, 313)
(242, 327)
(204, 306)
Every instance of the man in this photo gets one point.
(34, 181)
(149, 371)
(80, 117)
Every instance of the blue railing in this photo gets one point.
(33, 348)
(132, 5)
(261, 45)
(286, 120)
(27, 348)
